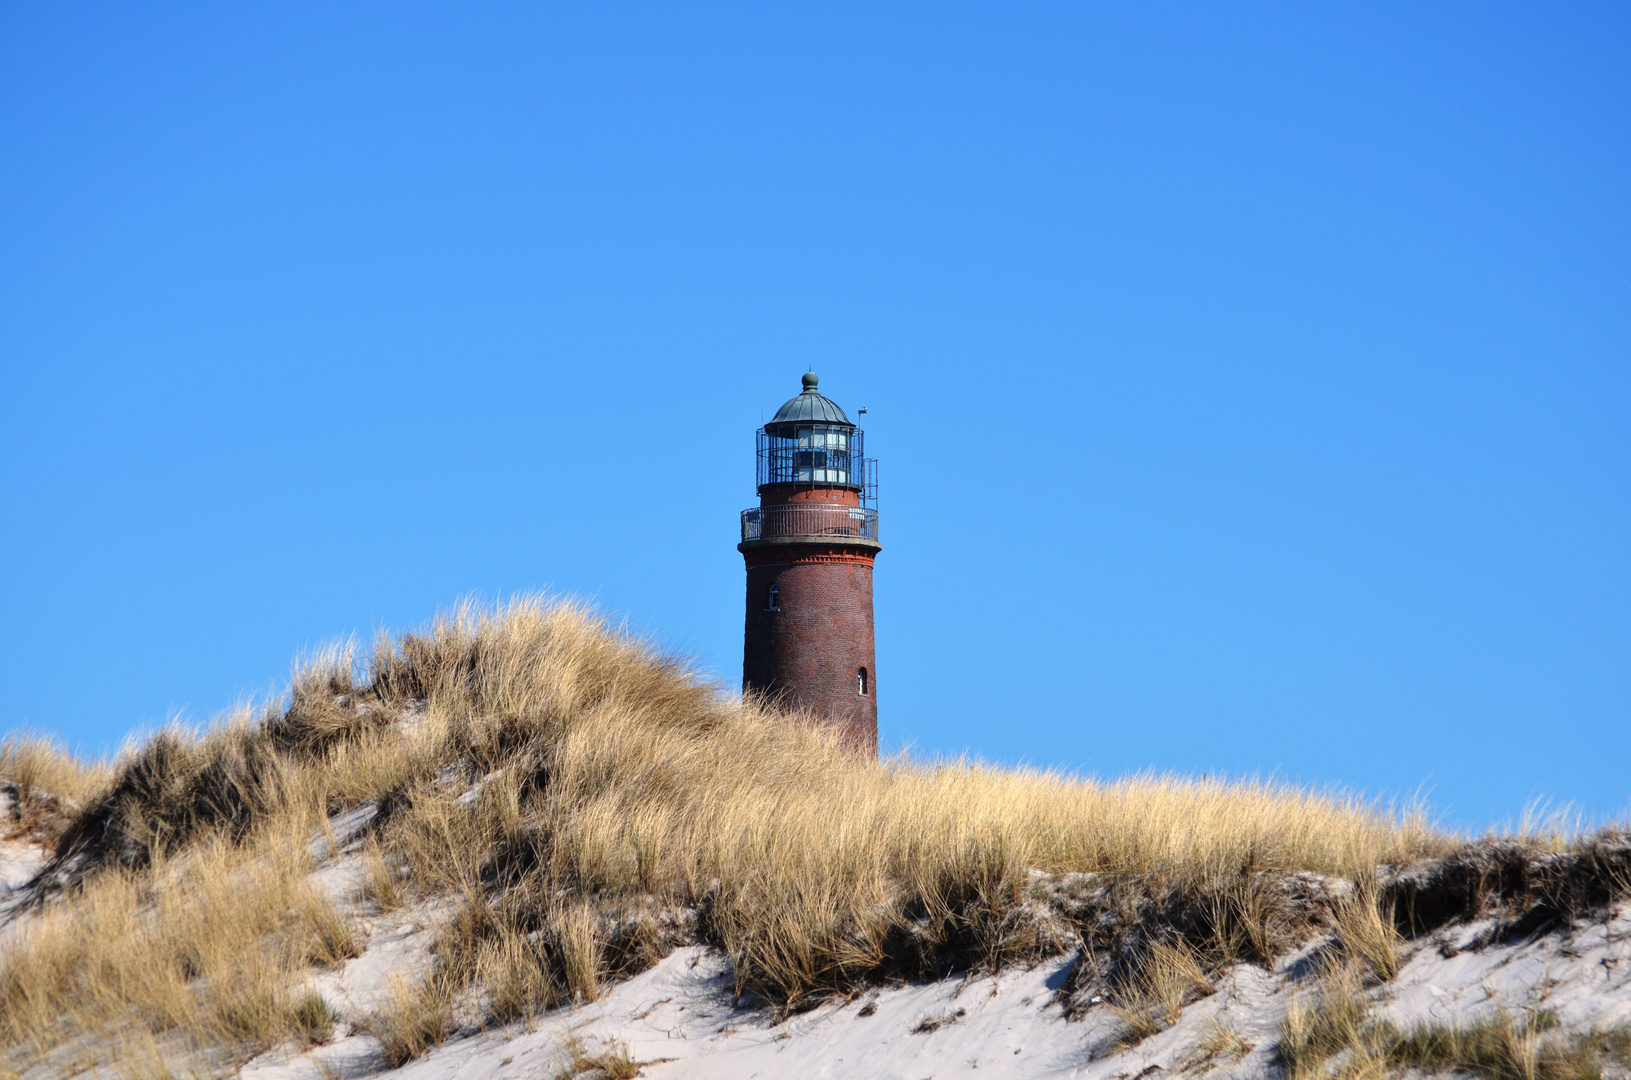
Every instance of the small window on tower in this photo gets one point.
(860, 682)
(776, 598)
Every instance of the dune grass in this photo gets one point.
(47, 785)
(38, 764)
(203, 946)
(1329, 1032)
(587, 802)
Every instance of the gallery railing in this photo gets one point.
(798, 520)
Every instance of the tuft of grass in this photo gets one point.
(379, 883)
(1248, 917)
(249, 1001)
(414, 1018)
(1171, 976)
(520, 980)
(929, 1024)
(329, 938)
(315, 1018)
(40, 765)
(1222, 1044)
(580, 950)
(611, 1063)
(1366, 931)
(47, 784)
(1329, 1021)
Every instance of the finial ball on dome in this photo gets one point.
(808, 408)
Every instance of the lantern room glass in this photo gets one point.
(821, 455)
(815, 454)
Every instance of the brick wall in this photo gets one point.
(782, 494)
(811, 651)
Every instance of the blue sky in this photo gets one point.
(1250, 382)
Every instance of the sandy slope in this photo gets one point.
(678, 1017)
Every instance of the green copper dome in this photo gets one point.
(810, 407)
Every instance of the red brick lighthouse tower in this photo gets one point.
(809, 547)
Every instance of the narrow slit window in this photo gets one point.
(860, 682)
(775, 603)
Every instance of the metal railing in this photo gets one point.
(810, 519)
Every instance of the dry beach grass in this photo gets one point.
(583, 803)
(1330, 1032)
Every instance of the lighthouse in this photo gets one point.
(809, 547)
